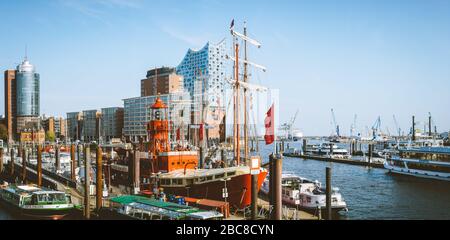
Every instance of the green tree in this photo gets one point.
(50, 136)
(3, 132)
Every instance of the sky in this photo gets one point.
(370, 58)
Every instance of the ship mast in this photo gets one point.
(246, 156)
(236, 107)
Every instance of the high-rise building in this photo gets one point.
(208, 66)
(112, 122)
(204, 73)
(27, 95)
(73, 128)
(10, 103)
(161, 81)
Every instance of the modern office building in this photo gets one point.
(112, 123)
(73, 128)
(162, 80)
(27, 95)
(10, 103)
(89, 132)
(137, 114)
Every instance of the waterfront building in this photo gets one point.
(73, 128)
(112, 123)
(27, 95)
(162, 80)
(36, 136)
(137, 114)
(10, 103)
(204, 73)
(57, 125)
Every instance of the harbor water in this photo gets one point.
(370, 193)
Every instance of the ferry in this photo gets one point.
(306, 194)
(35, 202)
(425, 162)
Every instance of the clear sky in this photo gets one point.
(360, 57)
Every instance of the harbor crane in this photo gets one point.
(335, 125)
(376, 128)
(288, 127)
(399, 130)
(353, 132)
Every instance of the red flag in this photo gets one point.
(269, 124)
(178, 134)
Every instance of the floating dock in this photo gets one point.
(337, 160)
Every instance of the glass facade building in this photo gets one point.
(112, 123)
(27, 90)
(208, 66)
(137, 113)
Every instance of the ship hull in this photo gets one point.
(238, 188)
(43, 214)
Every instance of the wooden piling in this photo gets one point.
(39, 166)
(1, 160)
(328, 193)
(137, 171)
(73, 164)
(24, 165)
(278, 201)
(87, 182)
(254, 193)
(57, 159)
(304, 145)
(370, 154)
(99, 179)
(11, 162)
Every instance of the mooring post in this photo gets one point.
(24, 165)
(304, 145)
(271, 187)
(370, 153)
(87, 182)
(136, 174)
(39, 166)
(73, 164)
(201, 157)
(11, 162)
(1, 160)
(328, 192)
(224, 158)
(278, 165)
(254, 205)
(99, 179)
(57, 160)
(331, 150)
(79, 154)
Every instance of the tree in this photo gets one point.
(50, 136)
(3, 132)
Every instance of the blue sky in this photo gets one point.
(362, 57)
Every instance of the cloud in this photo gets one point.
(97, 9)
(191, 40)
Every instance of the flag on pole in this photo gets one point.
(269, 124)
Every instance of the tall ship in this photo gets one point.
(425, 162)
(35, 202)
(177, 171)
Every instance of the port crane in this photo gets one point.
(288, 127)
(353, 132)
(376, 128)
(335, 125)
(399, 130)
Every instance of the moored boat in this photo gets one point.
(35, 202)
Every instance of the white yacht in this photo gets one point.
(306, 194)
(425, 162)
(327, 149)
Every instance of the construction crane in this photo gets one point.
(399, 130)
(335, 125)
